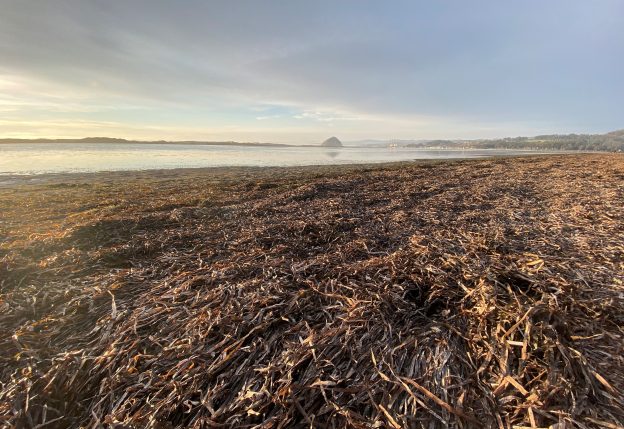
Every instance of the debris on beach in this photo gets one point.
(484, 293)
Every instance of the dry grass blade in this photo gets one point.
(452, 294)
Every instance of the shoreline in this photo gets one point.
(10, 180)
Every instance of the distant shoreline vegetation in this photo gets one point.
(109, 140)
(609, 142)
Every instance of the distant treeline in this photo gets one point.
(610, 142)
(107, 140)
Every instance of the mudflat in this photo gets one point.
(434, 294)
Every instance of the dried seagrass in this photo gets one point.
(463, 294)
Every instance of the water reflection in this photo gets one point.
(332, 153)
(34, 158)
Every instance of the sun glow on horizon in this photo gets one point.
(414, 71)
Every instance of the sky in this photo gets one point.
(300, 71)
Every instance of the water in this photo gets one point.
(32, 158)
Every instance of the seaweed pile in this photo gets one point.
(485, 293)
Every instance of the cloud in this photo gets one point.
(413, 67)
(265, 118)
(330, 116)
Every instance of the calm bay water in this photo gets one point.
(31, 159)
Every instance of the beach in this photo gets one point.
(463, 293)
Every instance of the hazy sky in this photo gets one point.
(300, 71)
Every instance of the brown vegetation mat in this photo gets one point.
(461, 294)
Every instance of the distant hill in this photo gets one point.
(332, 142)
(609, 142)
(616, 134)
(109, 140)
